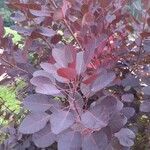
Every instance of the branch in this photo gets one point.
(12, 65)
(69, 28)
(141, 42)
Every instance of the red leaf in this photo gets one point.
(145, 34)
(23, 6)
(68, 73)
(58, 14)
(88, 19)
(90, 79)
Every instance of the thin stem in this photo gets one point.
(69, 28)
(141, 42)
(12, 65)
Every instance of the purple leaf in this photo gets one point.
(18, 16)
(80, 64)
(130, 80)
(33, 123)
(40, 13)
(89, 120)
(110, 104)
(40, 80)
(110, 18)
(41, 73)
(51, 69)
(86, 89)
(47, 89)
(38, 102)
(96, 118)
(22, 30)
(95, 141)
(125, 137)
(69, 141)
(61, 120)
(46, 31)
(119, 105)
(128, 112)
(62, 56)
(44, 137)
(117, 122)
(19, 57)
(104, 80)
(146, 90)
(145, 106)
(127, 97)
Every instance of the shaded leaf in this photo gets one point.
(48, 67)
(69, 141)
(61, 120)
(38, 102)
(40, 80)
(46, 31)
(44, 137)
(127, 97)
(40, 13)
(18, 16)
(47, 89)
(130, 80)
(33, 123)
(125, 137)
(97, 117)
(104, 80)
(117, 122)
(145, 106)
(128, 112)
(95, 141)
(146, 90)
(62, 56)
(89, 120)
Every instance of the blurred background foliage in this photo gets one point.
(5, 12)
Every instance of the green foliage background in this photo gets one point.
(5, 13)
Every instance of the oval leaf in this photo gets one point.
(61, 120)
(146, 90)
(69, 141)
(33, 123)
(47, 89)
(67, 73)
(145, 106)
(125, 137)
(44, 138)
(95, 141)
(38, 103)
(127, 97)
(80, 64)
(104, 80)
